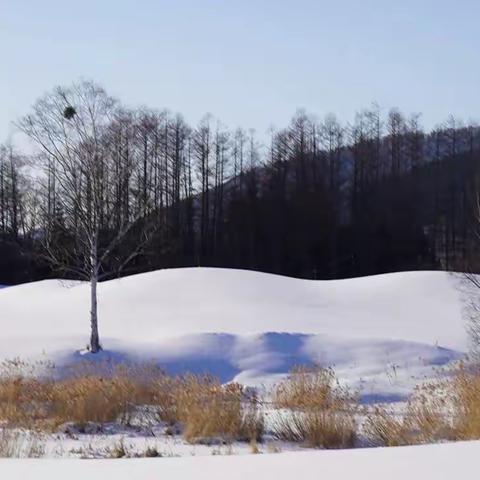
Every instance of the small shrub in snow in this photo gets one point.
(254, 447)
(118, 450)
(151, 452)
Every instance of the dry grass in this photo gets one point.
(82, 397)
(384, 427)
(310, 406)
(313, 408)
(164, 397)
(426, 419)
(466, 403)
(24, 402)
(204, 407)
(437, 411)
(209, 410)
(92, 399)
(20, 444)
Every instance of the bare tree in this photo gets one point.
(75, 128)
(202, 144)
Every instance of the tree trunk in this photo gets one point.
(94, 337)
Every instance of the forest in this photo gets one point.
(116, 190)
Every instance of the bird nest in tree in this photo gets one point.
(69, 112)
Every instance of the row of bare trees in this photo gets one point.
(112, 190)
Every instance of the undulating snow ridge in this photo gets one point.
(382, 334)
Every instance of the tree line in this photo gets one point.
(121, 190)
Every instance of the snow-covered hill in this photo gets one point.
(382, 333)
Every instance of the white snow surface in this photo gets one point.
(382, 334)
(439, 462)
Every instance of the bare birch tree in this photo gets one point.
(73, 127)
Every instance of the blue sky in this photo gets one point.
(249, 63)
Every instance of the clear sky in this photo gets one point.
(249, 63)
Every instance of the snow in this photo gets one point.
(382, 334)
(439, 462)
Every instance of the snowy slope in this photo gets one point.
(439, 462)
(381, 333)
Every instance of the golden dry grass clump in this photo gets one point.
(92, 399)
(209, 410)
(105, 393)
(448, 409)
(425, 420)
(82, 397)
(24, 401)
(466, 403)
(312, 407)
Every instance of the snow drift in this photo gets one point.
(381, 333)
